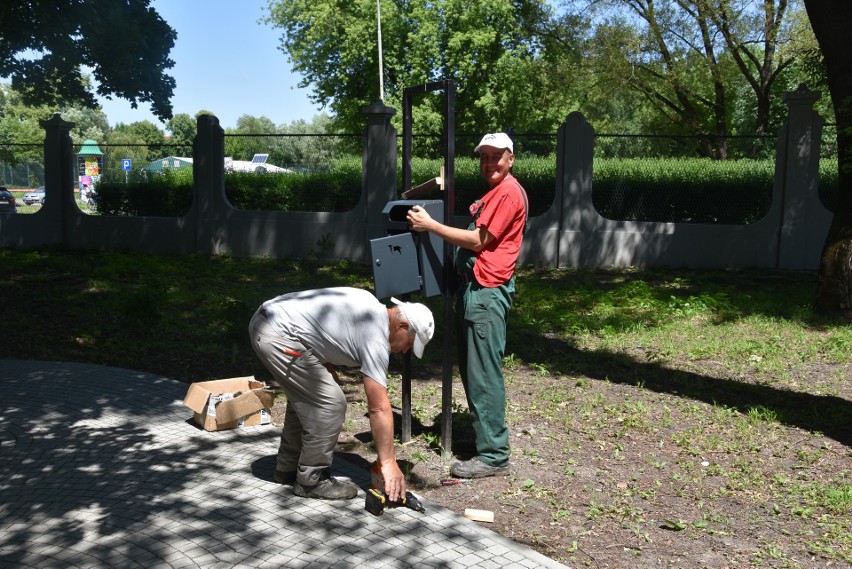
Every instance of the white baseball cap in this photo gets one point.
(420, 319)
(496, 140)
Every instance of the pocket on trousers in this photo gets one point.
(481, 329)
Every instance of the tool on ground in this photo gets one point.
(454, 481)
(377, 502)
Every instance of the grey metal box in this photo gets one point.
(408, 261)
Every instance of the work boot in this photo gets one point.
(475, 468)
(328, 488)
(282, 477)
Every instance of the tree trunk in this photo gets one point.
(830, 20)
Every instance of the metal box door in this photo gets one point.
(395, 265)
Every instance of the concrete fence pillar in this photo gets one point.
(379, 158)
(210, 205)
(58, 180)
(804, 221)
(575, 154)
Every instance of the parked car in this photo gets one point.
(36, 196)
(7, 201)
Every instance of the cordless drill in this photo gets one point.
(377, 502)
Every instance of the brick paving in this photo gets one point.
(103, 467)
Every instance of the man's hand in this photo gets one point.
(474, 239)
(394, 481)
(418, 219)
(381, 424)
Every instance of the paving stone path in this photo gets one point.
(103, 467)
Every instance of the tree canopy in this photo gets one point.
(486, 47)
(45, 44)
(22, 135)
(707, 69)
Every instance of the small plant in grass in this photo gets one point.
(511, 361)
(432, 440)
(533, 456)
(324, 247)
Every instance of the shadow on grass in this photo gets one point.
(829, 415)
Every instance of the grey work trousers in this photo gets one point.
(316, 405)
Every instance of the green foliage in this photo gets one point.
(141, 142)
(683, 190)
(169, 193)
(339, 189)
(24, 136)
(183, 128)
(44, 45)
(164, 194)
(485, 46)
(688, 67)
(669, 68)
(667, 190)
(537, 175)
(298, 146)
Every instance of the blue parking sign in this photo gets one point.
(125, 164)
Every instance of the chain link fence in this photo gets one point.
(21, 172)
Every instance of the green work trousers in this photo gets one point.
(481, 317)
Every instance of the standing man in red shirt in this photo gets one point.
(486, 253)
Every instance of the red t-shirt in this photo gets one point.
(503, 215)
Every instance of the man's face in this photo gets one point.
(494, 163)
(402, 338)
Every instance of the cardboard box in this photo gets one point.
(230, 403)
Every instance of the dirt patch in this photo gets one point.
(672, 471)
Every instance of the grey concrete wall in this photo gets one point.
(790, 236)
(570, 234)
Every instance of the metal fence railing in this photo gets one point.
(635, 177)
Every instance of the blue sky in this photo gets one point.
(226, 63)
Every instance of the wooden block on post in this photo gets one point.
(425, 187)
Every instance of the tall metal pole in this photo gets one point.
(449, 215)
(381, 64)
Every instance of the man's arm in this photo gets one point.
(381, 425)
(473, 239)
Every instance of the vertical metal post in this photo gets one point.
(405, 434)
(406, 139)
(449, 140)
(449, 215)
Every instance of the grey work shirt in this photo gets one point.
(342, 326)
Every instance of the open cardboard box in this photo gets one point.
(230, 403)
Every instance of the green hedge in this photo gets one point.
(167, 193)
(683, 190)
(652, 190)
